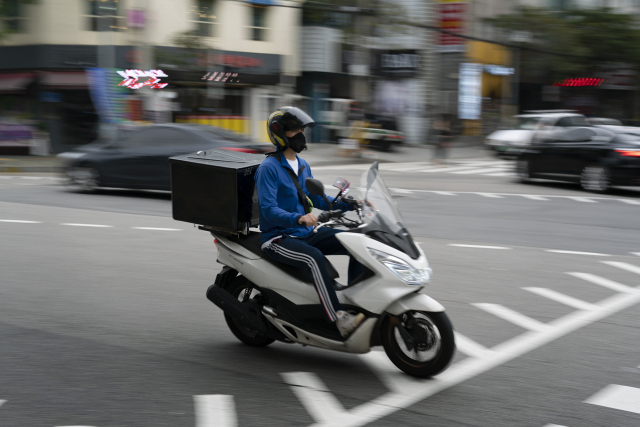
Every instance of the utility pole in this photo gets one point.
(429, 68)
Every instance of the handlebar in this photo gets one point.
(326, 216)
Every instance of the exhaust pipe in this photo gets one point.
(246, 314)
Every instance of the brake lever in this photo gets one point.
(315, 230)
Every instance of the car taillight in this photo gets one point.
(629, 153)
(240, 149)
(215, 242)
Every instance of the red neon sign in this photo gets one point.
(581, 81)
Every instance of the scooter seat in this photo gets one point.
(252, 243)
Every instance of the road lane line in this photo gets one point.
(443, 193)
(624, 266)
(471, 348)
(490, 195)
(606, 283)
(466, 369)
(20, 221)
(562, 298)
(581, 199)
(617, 397)
(480, 171)
(512, 316)
(86, 225)
(314, 395)
(460, 245)
(635, 253)
(446, 169)
(215, 410)
(512, 174)
(559, 251)
(157, 229)
(534, 197)
(630, 201)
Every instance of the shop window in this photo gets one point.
(105, 15)
(205, 18)
(13, 20)
(258, 26)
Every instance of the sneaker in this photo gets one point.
(348, 323)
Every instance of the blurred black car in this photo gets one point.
(138, 158)
(595, 157)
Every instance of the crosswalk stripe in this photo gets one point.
(630, 202)
(581, 199)
(617, 397)
(513, 317)
(479, 171)
(490, 195)
(512, 174)
(215, 410)
(470, 347)
(562, 298)
(314, 395)
(624, 266)
(534, 197)
(443, 193)
(447, 169)
(601, 281)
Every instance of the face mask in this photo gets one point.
(298, 142)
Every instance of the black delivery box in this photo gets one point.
(216, 188)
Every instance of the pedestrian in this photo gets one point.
(444, 135)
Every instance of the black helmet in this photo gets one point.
(284, 119)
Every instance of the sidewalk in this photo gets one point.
(316, 155)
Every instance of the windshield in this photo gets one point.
(527, 123)
(382, 216)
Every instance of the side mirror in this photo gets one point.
(315, 186)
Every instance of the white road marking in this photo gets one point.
(87, 225)
(314, 395)
(447, 169)
(606, 283)
(401, 191)
(468, 368)
(630, 201)
(581, 199)
(617, 397)
(635, 253)
(157, 229)
(534, 197)
(554, 425)
(562, 298)
(31, 177)
(471, 348)
(480, 171)
(490, 195)
(558, 251)
(460, 245)
(511, 174)
(2, 402)
(624, 266)
(443, 193)
(215, 410)
(512, 316)
(20, 221)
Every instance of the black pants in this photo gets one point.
(308, 252)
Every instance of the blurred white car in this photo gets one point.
(538, 124)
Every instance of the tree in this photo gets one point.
(571, 43)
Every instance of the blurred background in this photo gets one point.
(400, 66)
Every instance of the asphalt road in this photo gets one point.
(104, 321)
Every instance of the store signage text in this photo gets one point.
(581, 82)
(234, 61)
(219, 76)
(131, 79)
(402, 60)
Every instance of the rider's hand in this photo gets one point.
(308, 220)
(363, 203)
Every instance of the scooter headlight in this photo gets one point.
(404, 271)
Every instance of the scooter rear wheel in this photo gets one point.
(433, 342)
(237, 288)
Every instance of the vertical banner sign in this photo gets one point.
(108, 98)
(470, 91)
(451, 17)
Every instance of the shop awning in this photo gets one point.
(15, 81)
(64, 79)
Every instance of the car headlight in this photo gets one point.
(404, 271)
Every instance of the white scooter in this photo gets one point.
(264, 300)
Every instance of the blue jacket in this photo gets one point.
(280, 207)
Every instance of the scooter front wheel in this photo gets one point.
(244, 290)
(419, 343)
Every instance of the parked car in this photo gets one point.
(508, 143)
(139, 158)
(594, 157)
